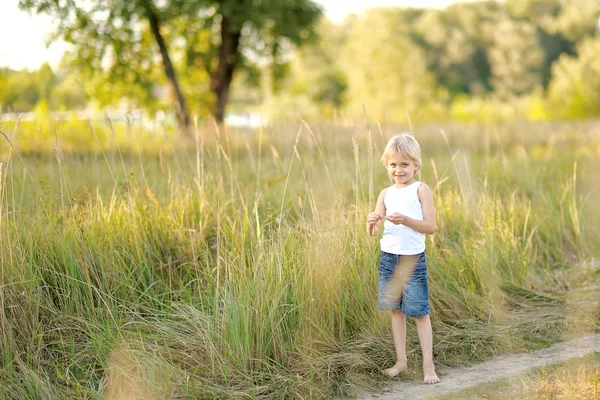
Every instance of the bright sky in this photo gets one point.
(23, 36)
(336, 10)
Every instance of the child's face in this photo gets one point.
(401, 169)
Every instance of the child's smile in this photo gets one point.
(402, 169)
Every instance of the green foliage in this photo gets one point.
(470, 60)
(315, 81)
(486, 109)
(574, 91)
(456, 41)
(46, 80)
(121, 60)
(538, 109)
(516, 59)
(573, 20)
(385, 70)
(69, 93)
(22, 90)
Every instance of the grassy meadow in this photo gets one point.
(236, 264)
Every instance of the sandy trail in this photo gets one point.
(457, 379)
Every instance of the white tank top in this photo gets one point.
(400, 239)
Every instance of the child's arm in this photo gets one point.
(375, 219)
(428, 223)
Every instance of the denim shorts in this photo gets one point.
(403, 284)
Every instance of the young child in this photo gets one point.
(408, 213)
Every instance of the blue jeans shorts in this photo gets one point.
(403, 284)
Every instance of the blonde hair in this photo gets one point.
(405, 145)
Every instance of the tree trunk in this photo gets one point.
(183, 117)
(228, 59)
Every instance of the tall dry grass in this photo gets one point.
(236, 265)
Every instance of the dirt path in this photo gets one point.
(457, 379)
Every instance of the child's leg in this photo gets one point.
(399, 334)
(426, 339)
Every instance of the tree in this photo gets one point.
(560, 25)
(20, 91)
(455, 42)
(574, 20)
(251, 31)
(386, 71)
(3, 84)
(315, 77)
(108, 35)
(68, 93)
(46, 80)
(114, 32)
(516, 59)
(574, 91)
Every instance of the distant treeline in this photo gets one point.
(23, 90)
(536, 59)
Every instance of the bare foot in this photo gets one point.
(430, 377)
(399, 367)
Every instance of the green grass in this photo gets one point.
(237, 265)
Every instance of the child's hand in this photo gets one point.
(373, 217)
(396, 218)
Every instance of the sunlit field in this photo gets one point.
(235, 264)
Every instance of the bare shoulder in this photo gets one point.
(380, 206)
(424, 187)
(424, 191)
